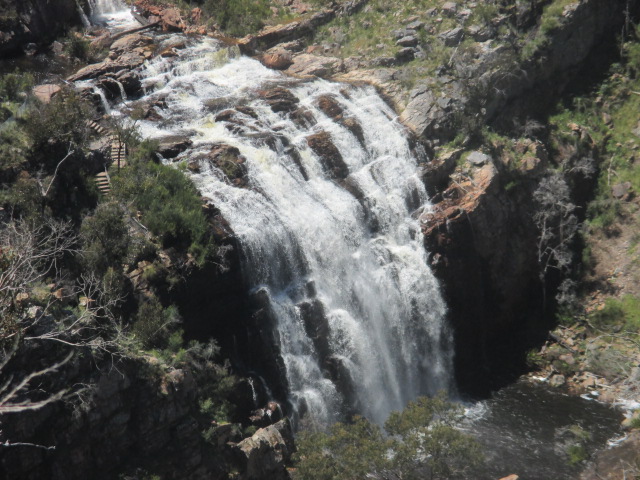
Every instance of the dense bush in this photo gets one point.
(154, 324)
(170, 205)
(105, 238)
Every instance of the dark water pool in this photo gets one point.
(527, 429)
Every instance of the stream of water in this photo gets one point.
(305, 237)
(349, 245)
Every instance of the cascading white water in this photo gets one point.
(101, 7)
(310, 239)
(113, 13)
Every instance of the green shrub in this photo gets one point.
(77, 47)
(13, 85)
(105, 238)
(422, 442)
(624, 312)
(153, 324)
(238, 17)
(169, 202)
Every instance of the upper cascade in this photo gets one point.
(101, 7)
(319, 184)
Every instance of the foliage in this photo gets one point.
(153, 324)
(76, 46)
(13, 89)
(422, 442)
(170, 205)
(550, 20)
(624, 312)
(105, 238)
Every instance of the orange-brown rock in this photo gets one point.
(278, 59)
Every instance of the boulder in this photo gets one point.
(128, 43)
(478, 158)
(265, 454)
(46, 92)
(308, 65)
(171, 147)
(172, 20)
(415, 25)
(228, 160)
(450, 8)
(452, 37)
(280, 99)
(278, 59)
(330, 107)
(621, 191)
(557, 380)
(408, 41)
(405, 54)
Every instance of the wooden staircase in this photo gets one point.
(117, 153)
(103, 182)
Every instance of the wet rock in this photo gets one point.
(230, 162)
(452, 37)
(330, 107)
(316, 325)
(355, 128)
(280, 99)
(130, 82)
(330, 156)
(278, 59)
(171, 147)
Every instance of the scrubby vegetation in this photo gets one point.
(421, 442)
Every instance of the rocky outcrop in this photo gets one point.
(495, 78)
(481, 241)
(35, 22)
(128, 420)
(265, 454)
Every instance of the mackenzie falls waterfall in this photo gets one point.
(319, 184)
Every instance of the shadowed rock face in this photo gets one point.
(37, 21)
(482, 247)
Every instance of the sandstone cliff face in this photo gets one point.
(37, 21)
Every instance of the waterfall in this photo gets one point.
(340, 254)
(102, 7)
(113, 13)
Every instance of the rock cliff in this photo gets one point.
(36, 22)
